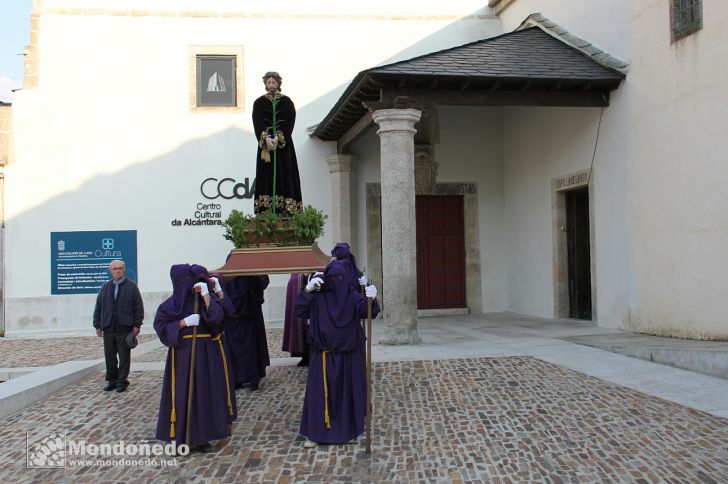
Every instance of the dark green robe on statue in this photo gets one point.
(274, 116)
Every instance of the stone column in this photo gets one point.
(399, 257)
(343, 198)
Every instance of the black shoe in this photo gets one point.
(121, 388)
(254, 385)
(109, 387)
(201, 448)
(238, 386)
(303, 362)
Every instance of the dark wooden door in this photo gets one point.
(440, 252)
(579, 258)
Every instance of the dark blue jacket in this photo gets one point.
(130, 308)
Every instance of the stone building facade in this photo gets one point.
(560, 191)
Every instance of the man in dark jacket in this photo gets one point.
(119, 312)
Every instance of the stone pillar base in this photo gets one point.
(403, 338)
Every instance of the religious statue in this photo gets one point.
(277, 184)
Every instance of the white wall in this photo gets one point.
(539, 144)
(471, 151)
(563, 141)
(666, 190)
(613, 222)
(679, 111)
(107, 142)
(604, 23)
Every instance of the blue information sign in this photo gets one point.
(80, 260)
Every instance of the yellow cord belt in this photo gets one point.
(218, 338)
(327, 419)
(173, 416)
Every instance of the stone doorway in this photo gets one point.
(471, 240)
(574, 248)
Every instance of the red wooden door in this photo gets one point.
(440, 252)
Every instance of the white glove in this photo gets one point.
(203, 288)
(218, 287)
(371, 291)
(192, 320)
(362, 281)
(314, 284)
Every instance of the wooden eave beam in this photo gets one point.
(458, 97)
(343, 144)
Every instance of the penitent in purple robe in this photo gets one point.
(294, 328)
(334, 408)
(201, 274)
(212, 404)
(245, 327)
(342, 252)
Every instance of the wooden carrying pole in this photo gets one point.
(369, 376)
(363, 322)
(191, 381)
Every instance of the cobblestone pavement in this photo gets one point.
(15, 353)
(273, 335)
(275, 342)
(509, 419)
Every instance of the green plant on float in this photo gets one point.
(235, 226)
(270, 223)
(301, 228)
(308, 225)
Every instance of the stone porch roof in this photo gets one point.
(539, 20)
(530, 66)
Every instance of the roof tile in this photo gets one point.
(528, 53)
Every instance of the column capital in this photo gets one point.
(342, 163)
(396, 119)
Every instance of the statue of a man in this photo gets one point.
(277, 183)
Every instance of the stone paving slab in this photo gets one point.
(507, 419)
(38, 352)
(624, 338)
(26, 390)
(708, 357)
(10, 373)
